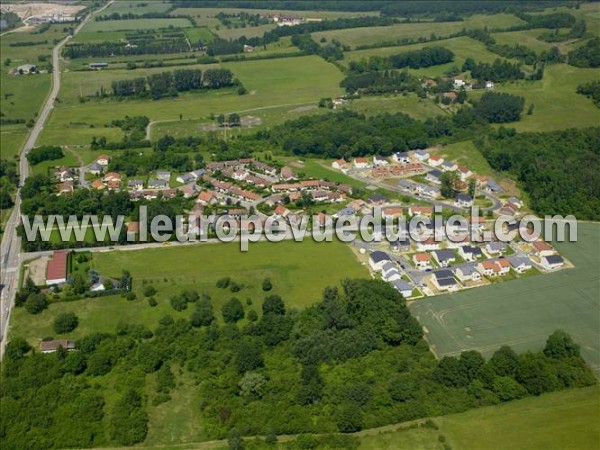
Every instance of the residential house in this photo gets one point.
(287, 173)
(467, 272)
(111, 176)
(361, 163)
(463, 201)
(163, 175)
(348, 211)
(64, 174)
(444, 280)
(493, 187)
(495, 248)
(515, 201)
(377, 259)
(435, 160)
(188, 190)
(206, 198)
(158, 184)
(103, 160)
(401, 157)
(509, 209)
(431, 192)
(494, 268)
(464, 172)
(185, 178)
(338, 164)
(377, 199)
(56, 269)
(240, 175)
(406, 184)
(400, 245)
(133, 229)
(380, 161)
(54, 345)
(406, 289)
(422, 261)
(542, 248)
(135, 185)
(421, 155)
(444, 257)
(281, 211)
(269, 170)
(489, 85)
(552, 262)
(448, 166)
(428, 245)
(98, 184)
(458, 83)
(95, 168)
(65, 188)
(425, 211)
(519, 263)
(434, 176)
(450, 95)
(392, 212)
(469, 253)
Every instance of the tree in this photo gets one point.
(252, 316)
(203, 316)
(149, 291)
(506, 389)
(471, 363)
(36, 303)
(235, 441)
(449, 180)
(178, 302)
(504, 362)
(472, 187)
(499, 107)
(536, 374)
(273, 304)
(252, 384)
(349, 419)
(266, 285)
(165, 380)
(65, 323)
(248, 357)
(232, 311)
(449, 372)
(560, 345)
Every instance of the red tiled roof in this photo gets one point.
(57, 266)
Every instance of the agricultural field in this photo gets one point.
(574, 415)
(524, 312)
(202, 13)
(199, 34)
(299, 272)
(410, 104)
(552, 96)
(137, 7)
(529, 38)
(136, 24)
(291, 82)
(463, 48)
(249, 32)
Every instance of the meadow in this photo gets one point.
(202, 13)
(137, 7)
(465, 153)
(556, 103)
(298, 271)
(529, 38)
(574, 415)
(291, 82)
(523, 313)
(136, 24)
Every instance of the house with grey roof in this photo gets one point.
(552, 262)
(495, 248)
(444, 257)
(163, 175)
(467, 272)
(463, 200)
(519, 263)
(493, 187)
(444, 280)
(434, 176)
(158, 184)
(469, 253)
(377, 259)
(406, 289)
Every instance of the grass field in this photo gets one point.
(200, 13)
(463, 48)
(465, 153)
(290, 82)
(529, 38)
(199, 33)
(560, 420)
(523, 313)
(249, 32)
(552, 97)
(136, 24)
(299, 273)
(137, 7)
(417, 108)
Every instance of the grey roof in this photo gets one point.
(435, 173)
(402, 285)
(95, 166)
(464, 198)
(554, 259)
(513, 200)
(443, 273)
(517, 261)
(467, 269)
(472, 250)
(444, 255)
(378, 256)
(377, 198)
(186, 177)
(448, 164)
(401, 154)
(494, 186)
(135, 182)
(496, 246)
(406, 183)
(348, 211)
(157, 183)
(388, 266)
(446, 281)
(422, 152)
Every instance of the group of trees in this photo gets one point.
(265, 375)
(498, 71)
(44, 153)
(591, 90)
(426, 57)
(557, 169)
(587, 55)
(380, 82)
(117, 48)
(500, 107)
(169, 84)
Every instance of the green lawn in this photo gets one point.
(556, 104)
(289, 82)
(417, 108)
(465, 153)
(136, 24)
(524, 312)
(12, 138)
(560, 420)
(199, 33)
(299, 273)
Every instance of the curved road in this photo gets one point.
(11, 257)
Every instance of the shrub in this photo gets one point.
(152, 302)
(266, 285)
(65, 323)
(149, 291)
(36, 303)
(223, 283)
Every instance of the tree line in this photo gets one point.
(169, 84)
(268, 373)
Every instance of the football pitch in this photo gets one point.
(523, 313)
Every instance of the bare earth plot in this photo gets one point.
(523, 313)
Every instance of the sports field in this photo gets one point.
(523, 313)
(558, 420)
(298, 271)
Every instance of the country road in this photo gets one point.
(10, 247)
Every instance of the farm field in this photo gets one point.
(200, 13)
(529, 38)
(523, 313)
(574, 415)
(278, 82)
(199, 34)
(463, 48)
(136, 24)
(552, 96)
(299, 273)
(137, 7)
(410, 104)
(249, 32)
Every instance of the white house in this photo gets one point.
(362, 163)
(428, 245)
(444, 280)
(240, 175)
(458, 83)
(435, 160)
(444, 257)
(434, 176)
(392, 275)
(421, 261)
(401, 157)
(103, 160)
(380, 161)
(519, 263)
(495, 248)
(377, 259)
(469, 253)
(403, 287)
(421, 155)
(552, 262)
(489, 85)
(448, 166)
(463, 201)
(464, 173)
(467, 272)
(338, 164)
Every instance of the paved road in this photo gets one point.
(11, 257)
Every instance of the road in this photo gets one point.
(10, 247)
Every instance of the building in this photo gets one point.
(552, 262)
(362, 163)
(444, 280)
(489, 85)
(26, 69)
(444, 257)
(401, 157)
(495, 248)
(400, 245)
(98, 65)
(422, 155)
(380, 161)
(428, 244)
(377, 259)
(103, 160)
(56, 270)
(338, 164)
(469, 253)
(420, 211)
(163, 175)
(467, 272)
(52, 346)
(434, 176)
(435, 160)
(463, 201)
(519, 263)
(448, 166)
(422, 261)
(542, 248)
(406, 289)
(464, 172)
(493, 187)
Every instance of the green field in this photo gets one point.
(137, 7)
(289, 82)
(529, 38)
(417, 108)
(200, 13)
(249, 32)
(299, 273)
(465, 153)
(136, 24)
(523, 313)
(199, 33)
(560, 420)
(556, 104)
